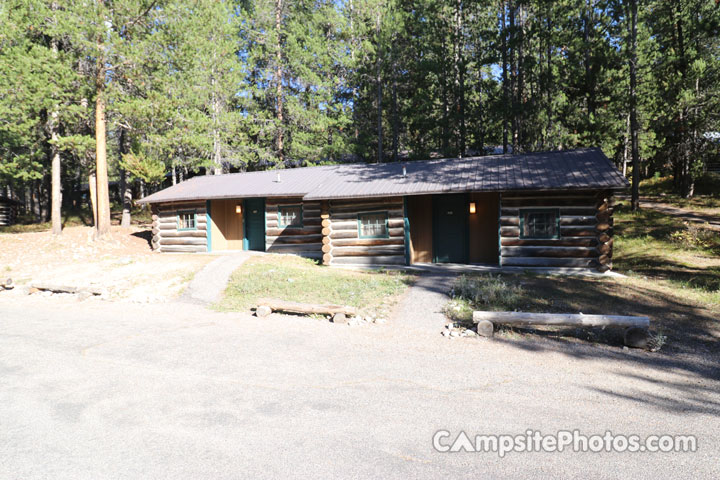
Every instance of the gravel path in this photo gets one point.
(102, 390)
(208, 285)
(421, 306)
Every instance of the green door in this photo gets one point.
(450, 237)
(255, 224)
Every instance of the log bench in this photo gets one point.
(339, 312)
(635, 334)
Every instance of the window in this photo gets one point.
(290, 216)
(540, 223)
(186, 220)
(373, 225)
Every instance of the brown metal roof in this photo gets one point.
(558, 170)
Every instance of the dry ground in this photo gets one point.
(122, 263)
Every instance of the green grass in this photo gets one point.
(664, 248)
(301, 280)
(706, 198)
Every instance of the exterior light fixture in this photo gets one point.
(472, 207)
(238, 208)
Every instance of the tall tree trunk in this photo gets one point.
(101, 169)
(396, 118)
(92, 185)
(125, 187)
(56, 182)
(506, 102)
(378, 82)
(279, 145)
(635, 193)
(458, 64)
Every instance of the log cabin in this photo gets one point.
(547, 209)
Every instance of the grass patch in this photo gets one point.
(297, 279)
(705, 200)
(662, 247)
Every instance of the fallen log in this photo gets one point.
(66, 289)
(304, 308)
(569, 319)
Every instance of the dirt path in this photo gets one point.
(691, 216)
(122, 263)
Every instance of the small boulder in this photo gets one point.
(263, 311)
(636, 337)
(341, 318)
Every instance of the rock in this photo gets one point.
(380, 320)
(263, 311)
(445, 333)
(454, 333)
(449, 326)
(636, 337)
(485, 328)
(341, 318)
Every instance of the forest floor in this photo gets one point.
(123, 263)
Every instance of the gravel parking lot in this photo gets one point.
(100, 390)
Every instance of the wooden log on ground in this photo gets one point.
(485, 328)
(305, 308)
(566, 319)
(54, 288)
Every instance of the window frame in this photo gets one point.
(523, 211)
(186, 212)
(279, 216)
(360, 229)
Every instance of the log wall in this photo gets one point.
(344, 245)
(586, 230)
(167, 237)
(8, 213)
(305, 241)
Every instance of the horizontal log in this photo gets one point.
(274, 232)
(551, 251)
(509, 231)
(344, 242)
(165, 207)
(182, 241)
(272, 215)
(183, 248)
(371, 260)
(604, 237)
(183, 233)
(305, 308)
(560, 242)
(548, 262)
(292, 239)
(307, 222)
(333, 234)
(567, 319)
(294, 248)
(367, 251)
(581, 231)
(327, 259)
(325, 240)
(326, 248)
